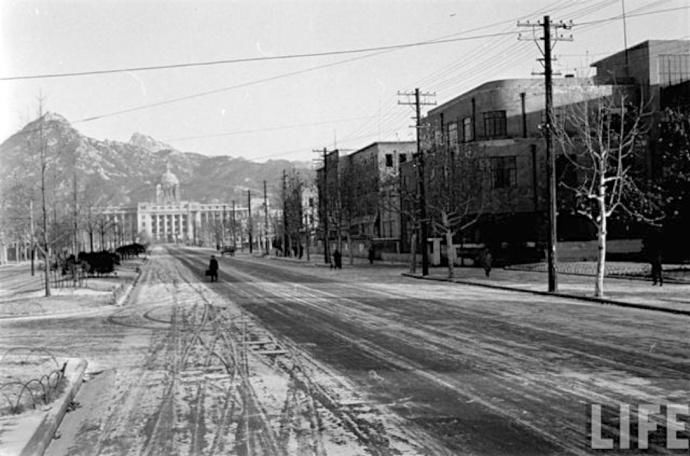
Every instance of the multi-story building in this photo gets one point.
(652, 66)
(359, 194)
(501, 122)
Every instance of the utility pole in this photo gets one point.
(222, 225)
(552, 237)
(31, 227)
(309, 220)
(44, 164)
(234, 239)
(75, 242)
(323, 202)
(286, 249)
(418, 102)
(625, 41)
(249, 219)
(266, 241)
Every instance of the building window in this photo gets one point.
(673, 69)
(467, 133)
(389, 160)
(402, 158)
(503, 172)
(453, 134)
(494, 124)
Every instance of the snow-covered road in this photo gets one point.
(282, 359)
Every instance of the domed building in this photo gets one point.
(168, 189)
(169, 219)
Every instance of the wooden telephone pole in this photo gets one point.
(548, 39)
(424, 223)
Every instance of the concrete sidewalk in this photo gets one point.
(637, 293)
(22, 295)
(30, 433)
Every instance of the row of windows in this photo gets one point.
(502, 172)
(494, 123)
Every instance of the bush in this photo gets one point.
(99, 263)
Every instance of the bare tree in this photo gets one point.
(43, 161)
(359, 195)
(601, 138)
(330, 201)
(293, 217)
(15, 217)
(401, 196)
(459, 192)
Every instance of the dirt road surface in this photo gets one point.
(278, 359)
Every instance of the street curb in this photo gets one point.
(45, 431)
(559, 295)
(297, 261)
(121, 293)
(638, 278)
(326, 265)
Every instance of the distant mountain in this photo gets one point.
(148, 143)
(126, 172)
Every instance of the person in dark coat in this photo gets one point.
(337, 259)
(372, 254)
(487, 261)
(213, 268)
(657, 270)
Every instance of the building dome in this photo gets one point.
(168, 179)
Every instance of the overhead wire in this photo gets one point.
(449, 68)
(481, 50)
(249, 59)
(480, 67)
(443, 72)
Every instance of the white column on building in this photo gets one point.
(190, 233)
(165, 227)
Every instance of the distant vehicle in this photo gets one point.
(229, 249)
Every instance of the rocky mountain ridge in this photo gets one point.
(127, 172)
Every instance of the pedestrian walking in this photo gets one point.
(372, 254)
(337, 259)
(487, 261)
(657, 270)
(213, 269)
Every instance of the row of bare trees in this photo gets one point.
(43, 208)
(352, 194)
(299, 208)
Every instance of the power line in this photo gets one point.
(225, 89)
(252, 59)
(262, 130)
(442, 40)
(447, 82)
(629, 15)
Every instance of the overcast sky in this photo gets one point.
(259, 110)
